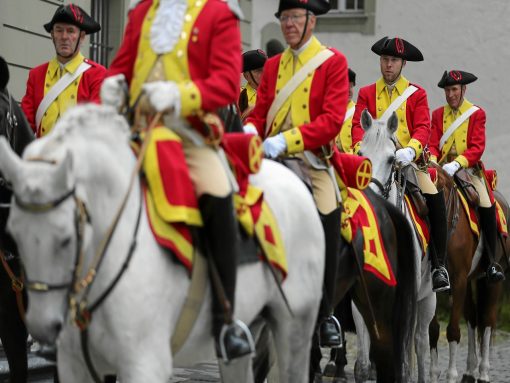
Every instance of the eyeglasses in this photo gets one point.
(293, 18)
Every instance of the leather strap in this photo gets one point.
(397, 102)
(56, 89)
(293, 83)
(456, 125)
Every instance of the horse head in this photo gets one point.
(42, 222)
(379, 146)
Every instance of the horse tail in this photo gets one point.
(404, 312)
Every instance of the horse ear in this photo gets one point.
(366, 120)
(393, 123)
(4, 73)
(63, 172)
(10, 163)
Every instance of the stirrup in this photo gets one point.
(336, 323)
(446, 279)
(246, 333)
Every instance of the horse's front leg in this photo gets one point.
(362, 364)
(426, 310)
(434, 330)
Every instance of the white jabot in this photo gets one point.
(167, 26)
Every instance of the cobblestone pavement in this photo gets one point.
(500, 361)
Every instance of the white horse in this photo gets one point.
(87, 158)
(380, 147)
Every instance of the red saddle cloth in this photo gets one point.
(359, 214)
(172, 207)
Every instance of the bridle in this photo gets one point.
(12, 120)
(386, 187)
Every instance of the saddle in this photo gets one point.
(413, 190)
(465, 184)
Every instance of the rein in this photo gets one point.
(81, 311)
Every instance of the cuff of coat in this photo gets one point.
(191, 99)
(417, 146)
(462, 161)
(294, 139)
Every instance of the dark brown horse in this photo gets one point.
(390, 314)
(466, 266)
(13, 333)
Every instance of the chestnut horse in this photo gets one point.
(466, 266)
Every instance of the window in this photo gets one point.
(348, 16)
(100, 48)
(348, 5)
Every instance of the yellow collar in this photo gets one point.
(311, 50)
(400, 86)
(70, 67)
(463, 108)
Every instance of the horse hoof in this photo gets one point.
(361, 372)
(329, 370)
(468, 379)
(482, 381)
(318, 378)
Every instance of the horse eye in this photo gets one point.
(65, 242)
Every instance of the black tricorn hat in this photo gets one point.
(455, 77)
(318, 7)
(352, 76)
(4, 73)
(397, 47)
(73, 14)
(254, 59)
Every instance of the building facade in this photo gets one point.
(461, 34)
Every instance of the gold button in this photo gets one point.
(198, 3)
(188, 18)
(180, 53)
(183, 35)
(194, 39)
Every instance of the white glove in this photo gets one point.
(451, 167)
(405, 155)
(164, 96)
(250, 129)
(114, 91)
(274, 146)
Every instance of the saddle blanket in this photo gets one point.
(172, 208)
(473, 218)
(420, 226)
(359, 213)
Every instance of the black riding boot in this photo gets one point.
(329, 330)
(438, 239)
(233, 340)
(490, 231)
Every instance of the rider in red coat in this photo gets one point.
(306, 123)
(77, 78)
(393, 93)
(182, 58)
(458, 141)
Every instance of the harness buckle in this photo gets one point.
(17, 285)
(82, 315)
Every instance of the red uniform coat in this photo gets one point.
(328, 97)
(88, 89)
(474, 141)
(417, 116)
(214, 55)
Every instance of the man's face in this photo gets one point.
(292, 22)
(255, 81)
(454, 95)
(391, 68)
(65, 38)
(351, 90)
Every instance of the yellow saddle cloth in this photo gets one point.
(359, 213)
